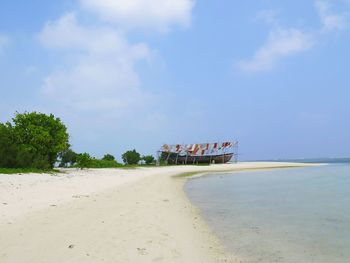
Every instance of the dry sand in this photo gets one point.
(107, 215)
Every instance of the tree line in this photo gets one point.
(84, 160)
(41, 141)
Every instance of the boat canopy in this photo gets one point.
(200, 149)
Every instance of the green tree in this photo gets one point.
(84, 160)
(149, 159)
(68, 157)
(8, 148)
(40, 138)
(108, 157)
(131, 157)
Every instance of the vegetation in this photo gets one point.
(25, 170)
(84, 160)
(149, 159)
(71, 159)
(67, 158)
(108, 157)
(95, 163)
(32, 140)
(131, 157)
(8, 149)
(36, 142)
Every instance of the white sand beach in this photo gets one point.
(108, 215)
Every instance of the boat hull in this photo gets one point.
(173, 158)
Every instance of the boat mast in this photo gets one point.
(236, 152)
(223, 156)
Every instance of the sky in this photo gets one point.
(125, 74)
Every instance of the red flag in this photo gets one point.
(196, 149)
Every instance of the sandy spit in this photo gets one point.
(108, 215)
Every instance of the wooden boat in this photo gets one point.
(198, 153)
(173, 158)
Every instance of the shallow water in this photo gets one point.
(286, 215)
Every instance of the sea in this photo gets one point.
(299, 215)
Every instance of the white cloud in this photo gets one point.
(100, 75)
(285, 42)
(66, 33)
(95, 85)
(330, 21)
(4, 42)
(144, 14)
(281, 43)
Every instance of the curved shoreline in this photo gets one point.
(109, 215)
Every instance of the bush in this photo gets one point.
(84, 160)
(68, 158)
(108, 157)
(149, 159)
(131, 157)
(95, 163)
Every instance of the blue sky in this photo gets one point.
(127, 74)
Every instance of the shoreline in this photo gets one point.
(109, 215)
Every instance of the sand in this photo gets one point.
(108, 215)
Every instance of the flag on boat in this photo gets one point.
(200, 149)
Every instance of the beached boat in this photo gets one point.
(198, 153)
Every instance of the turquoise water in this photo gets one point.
(287, 215)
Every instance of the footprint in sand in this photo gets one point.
(175, 253)
(142, 251)
(80, 196)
